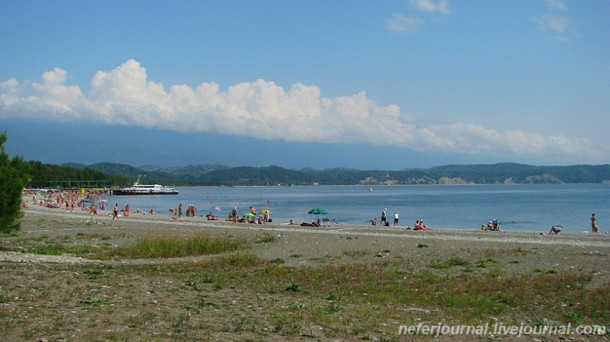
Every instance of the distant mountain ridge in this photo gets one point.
(218, 175)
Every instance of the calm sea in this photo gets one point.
(517, 207)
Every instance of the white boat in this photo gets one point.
(143, 189)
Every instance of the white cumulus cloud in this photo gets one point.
(260, 109)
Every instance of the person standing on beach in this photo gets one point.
(594, 228)
(115, 212)
(384, 216)
(180, 210)
(396, 217)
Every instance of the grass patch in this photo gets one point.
(292, 287)
(235, 260)
(355, 253)
(486, 263)
(266, 238)
(96, 301)
(240, 295)
(91, 236)
(505, 251)
(451, 262)
(277, 261)
(175, 247)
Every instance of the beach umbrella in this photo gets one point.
(317, 211)
(249, 215)
(265, 211)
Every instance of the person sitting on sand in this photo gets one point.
(210, 216)
(491, 226)
(233, 214)
(424, 227)
(153, 211)
(419, 225)
(374, 222)
(494, 225)
(555, 229)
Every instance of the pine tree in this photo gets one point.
(12, 181)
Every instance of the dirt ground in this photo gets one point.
(64, 298)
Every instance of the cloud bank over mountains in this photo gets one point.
(263, 110)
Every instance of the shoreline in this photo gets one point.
(361, 213)
(446, 234)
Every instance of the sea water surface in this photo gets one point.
(517, 207)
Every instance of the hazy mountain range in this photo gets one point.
(59, 143)
(217, 175)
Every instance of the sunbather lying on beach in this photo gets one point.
(313, 223)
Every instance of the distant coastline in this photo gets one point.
(218, 175)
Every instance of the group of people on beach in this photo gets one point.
(70, 200)
(491, 226)
(384, 218)
(251, 216)
(94, 201)
(191, 211)
(556, 229)
(419, 224)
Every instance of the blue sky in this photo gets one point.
(521, 81)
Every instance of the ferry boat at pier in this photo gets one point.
(143, 189)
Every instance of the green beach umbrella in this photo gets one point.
(317, 211)
(249, 215)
